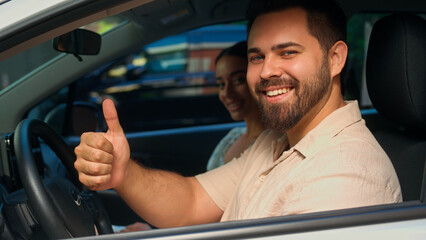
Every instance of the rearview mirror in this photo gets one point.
(78, 42)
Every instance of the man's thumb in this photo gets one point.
(111, 117)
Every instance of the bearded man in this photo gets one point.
(317, 155)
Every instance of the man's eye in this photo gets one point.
(255, 59)
(288, 53)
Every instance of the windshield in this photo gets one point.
(18, 66)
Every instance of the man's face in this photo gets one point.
(288, 73)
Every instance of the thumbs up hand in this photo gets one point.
(102, 157)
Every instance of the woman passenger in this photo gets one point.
(231, 70)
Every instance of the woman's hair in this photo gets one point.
(239, 50)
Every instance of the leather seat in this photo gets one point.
(396, 83)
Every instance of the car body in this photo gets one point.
(172, 118)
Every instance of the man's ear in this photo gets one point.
(337, 57)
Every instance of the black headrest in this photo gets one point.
(396, 69)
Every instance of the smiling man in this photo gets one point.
(294, 77)
(318, 154)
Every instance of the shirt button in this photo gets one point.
(262, 178)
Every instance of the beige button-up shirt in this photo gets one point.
(339, 164)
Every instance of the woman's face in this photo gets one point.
(233, 89)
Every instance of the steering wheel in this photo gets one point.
(63, 208)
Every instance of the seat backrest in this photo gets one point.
(396, 83)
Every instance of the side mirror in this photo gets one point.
(78, 42)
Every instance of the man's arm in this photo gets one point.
(167, 199)
(164, 199)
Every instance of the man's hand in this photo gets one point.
(102, 157)
(163, 198)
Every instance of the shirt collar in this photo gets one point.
(329, 127)
(278, 146)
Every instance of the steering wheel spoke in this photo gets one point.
(63, 208)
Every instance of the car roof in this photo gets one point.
(24, 11)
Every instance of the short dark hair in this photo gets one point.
(326, 19)
(239, 49)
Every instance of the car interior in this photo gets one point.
(35, 152)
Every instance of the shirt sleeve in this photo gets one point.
(221, 183)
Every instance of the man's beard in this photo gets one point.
(284, 116)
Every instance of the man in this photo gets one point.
(319, 155)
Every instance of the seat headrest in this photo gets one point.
(396, 69)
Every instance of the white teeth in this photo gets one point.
(277, 92)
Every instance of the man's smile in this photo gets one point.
(276, 92)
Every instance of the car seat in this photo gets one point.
(396, 83)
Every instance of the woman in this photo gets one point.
(231, 69)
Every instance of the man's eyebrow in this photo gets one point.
(253, 50)
(275, 47)
(285, 45)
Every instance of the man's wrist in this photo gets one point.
(126, 178)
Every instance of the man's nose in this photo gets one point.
(271, 68)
